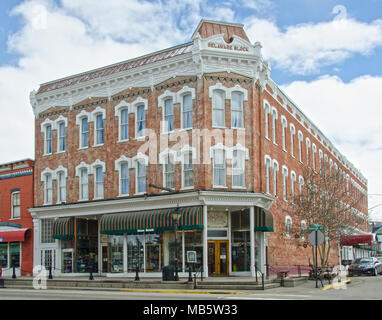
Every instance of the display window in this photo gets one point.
(135, 252)
(3, 255)
(193, 241)
(153, 252)
(115, 254)
(86, 246)
(240, 241)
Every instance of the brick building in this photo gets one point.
(16, 235)
(194, 129)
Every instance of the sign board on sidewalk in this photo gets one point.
(312, 238)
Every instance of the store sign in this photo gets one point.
(227, 46)
(145, 230)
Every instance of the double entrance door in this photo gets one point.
(218, 255)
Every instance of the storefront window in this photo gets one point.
(194, 242)
(135, 254)
(14, 252)
(86, 246)
(153, 252)
(116, 253)
(67, 255)
(3, 255)
(240, 241)
(171, 249)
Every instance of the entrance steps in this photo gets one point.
(236, 284)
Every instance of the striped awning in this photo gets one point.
(63, 228)
(263, 220)
(151, 221)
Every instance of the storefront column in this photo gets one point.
(125, 253)
(252, 239)
(205, 243)
(36, 243)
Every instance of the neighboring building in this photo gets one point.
(16, 225)
(203, 119)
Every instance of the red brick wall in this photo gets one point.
(25, 185)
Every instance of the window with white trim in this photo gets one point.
(140, 121)
(187, 111)
(141, 176)
(188, 170)
(275, 170)
(124, 125)
(292, 186)
(288, 226)
(124, 179)
(169, 114)
(307, 151)
(15, 200)
(48, 188)
(300, 138)
(284, 125)
(285, 187)
(237, 110)
(267, 174)
(266, 119)
(169, 171)
(292, 134)
(274, 118)
(48, 139)
(99, 129)
(218, 108)
(219, 168)
(99, 182)
(314, 150)
(304, 228)
(84, 129)
(61, 136)
(84, 184)
(61, 187)
(238, 169)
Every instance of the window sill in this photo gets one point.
(15, 218)
(47, 154)
(239, 188)
(123, 195)
(98, 198)
(140, 193)
(98, 145)
(82, 200)
(121, 141)
(83, 148)
(61, 202)
(58, 152)
(219, 127)
(143, 138)
(187, 188)
(267, 138)
(186, 129)
(220, 187)
(238, 128)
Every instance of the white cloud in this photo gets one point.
(349, 115)
(304, 48)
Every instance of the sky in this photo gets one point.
(326, 55)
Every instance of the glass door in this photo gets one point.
(218, 257)
(67, 260)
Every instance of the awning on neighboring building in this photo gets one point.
(63, 228)
(17, 235)
(151, 221)
(263, 220)
(357, 240)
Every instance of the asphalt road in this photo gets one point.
(360, 288)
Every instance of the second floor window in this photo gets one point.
(238, 169)
(84, 191)
(188, 171)
(169, 115)
(141, 177)
(169, 171)
(124, 172)
(48, 189)
(219, 168)
(15, 197)
(99, 182)
(61, 184)
(61, 137)
(84, 133)
(218, 109)
(237, 110)
(48, 139)
(99, 129)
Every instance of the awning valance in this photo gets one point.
(357, 240)
(263, 220)
(63, 228)
(151, 221)
(13, 235)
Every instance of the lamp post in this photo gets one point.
(176, 216)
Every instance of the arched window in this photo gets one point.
(237, 110)
(284, 125)
(218, 108)
(275, 171)
(292, 134)
(285, 177)
(267, 174)
(274, 118)
(300, 139)
(267, 110)
(288, 226)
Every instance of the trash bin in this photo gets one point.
(168, 273)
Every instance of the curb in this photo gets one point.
(336, 285)
(184, 291)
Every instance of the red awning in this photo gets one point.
(357, 240)
(13, 236)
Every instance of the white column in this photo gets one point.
(183, 253)
(205, 243)
(252, 239)
(125, 253)
(36, 242)
(229, 244)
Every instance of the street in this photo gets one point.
(360, 288)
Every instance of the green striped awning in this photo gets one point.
(63, 228)
(263, 220)
(151, 221)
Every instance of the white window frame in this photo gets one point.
(118, 167)
(44, 126)
(275, 167)
(79, 117)
(48, 188)
(267, 111)
(293, 183)
(180, 99)
(275, 117)
(164, 157)
(118, 109)
(285, 184)
(284, 125)
(64, 172)
(241, 111)
(161, 104)
(93, 118)
(15, 193)
(143, 160)
(292, 133)
(300, 139)
(94, 166)
(225, 150)
(314, 151)
(307, 141)
(187, 150)
(244, 154)
(268, 163)
(288, 230)
(61, 147)
(79, 170)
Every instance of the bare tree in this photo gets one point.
(328, 199)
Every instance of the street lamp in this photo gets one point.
(175, 217)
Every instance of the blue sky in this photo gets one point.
(326, 55)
